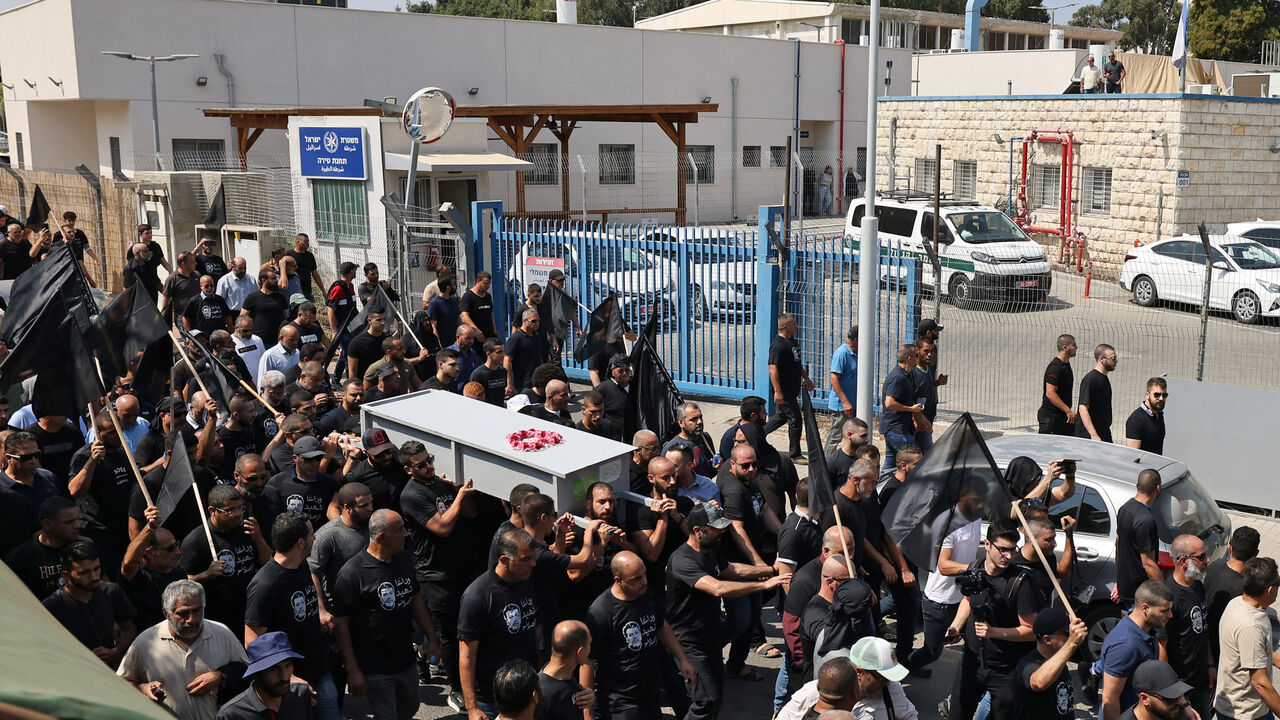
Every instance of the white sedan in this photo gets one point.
(1245, 275)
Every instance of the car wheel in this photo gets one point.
(959, 291)
(1099, 622)
(1144, 291)
(1246, 308)
(698, 303)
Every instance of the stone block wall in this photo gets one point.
(1223, 143)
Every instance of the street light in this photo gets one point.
(155, 112)
(819, 28)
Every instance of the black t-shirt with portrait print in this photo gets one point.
(743, 502)
(784, 353)
(286, 491)
(225, 595)
(211, 265)
(579, 595)
(377, 599)
(92, 623)
(480, 309)
(693, 614)
(625, 646)
(436, 556)
(285, 600)
(104, 510)
(1187, 634)
(502, 618)
(1055, 702)
(238, 442)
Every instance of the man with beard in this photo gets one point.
(207, 311)
(376, 603)
(555, 408)
(393, 354)
(236, 285)
(1094, 410)
(615, 389)
(210, 653)
(699, 578)
(225, 574)
(446, 377)
(1055, 416)
(646, 447)
(209, 262)
(595, 579)
(1145, 427)
(689, 416)
(378, 468)
(38, 561)
(313, 379)
(271, 387)
(629, 630)
(303, 487)
(339, 541)
(101, 482)
(150, 565)
(304, 321)
(91, 609)
(1132, 642)
(1043, 688)
(432, 509)
(270, 693)
(366, 348)
(1160, 694)
(282, 598)
(266, 305)
(179, 288)
(283, 355)
(1186, 640)
(658, 528)
(345, 417)
(248, 346)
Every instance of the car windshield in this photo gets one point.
(1251, 256)
(986, 226)
(618, 260)
(1184, 508)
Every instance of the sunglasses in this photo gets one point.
(745, 464)
(1160, 395)
(230, 511)
(23, 456)
(253, 478)
(422, 465)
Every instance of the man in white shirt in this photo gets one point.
(1090, 77)
(248, 346)
(961, 530)
(284, 354)
(236, 285)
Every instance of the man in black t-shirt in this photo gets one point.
(658, 528)
(476, 307)
(180, 287)
(57, 441)
(15, 252)
(207, 261)
(1137, 540)
(376, 603)
(345, 417)
(304, 321)
(1055, 415)
(90, 608)
(1006, 602)
(615, 390)
(367, 347)
(498, 622)
(787, 374)
(903, 406)
(150, 565)
(207, 311)
(282, 598)
(375, 464)
(1094, 412)
(1186, 636)
(38, 561)
(744, 506)
(101, 482)
(1145, 427)
(629, 630)
(307, 268)
(597, 578)
(698, 577)
(266, 305)
(1043, 689)
(848, 498)
(225, 574)
(370, 285)
(524, 351)
(1224, 579)
(302, 488)
(492, 375)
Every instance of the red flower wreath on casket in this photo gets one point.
(531, 440)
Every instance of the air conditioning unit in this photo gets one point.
(1256, 85)
(253, 243)
(1205, 89)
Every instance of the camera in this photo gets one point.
(971, 582)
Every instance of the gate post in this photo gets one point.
(475, 255)
(766, 301)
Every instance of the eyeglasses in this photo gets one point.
(1202, 557)
(230, 511)
(649, 448)
(23, 456)
(254, 478)
(745, 464)
(1003, 550)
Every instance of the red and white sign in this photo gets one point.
(538, 269)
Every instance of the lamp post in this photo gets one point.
(819, 28)
(151, 60)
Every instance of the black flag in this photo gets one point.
(950, 488)
(178, 479)
(652, 398)
(821, 488)
(562, 310)
(38, 215)
(220, 380)
(603, 327)
(130, 324)
(217, 215)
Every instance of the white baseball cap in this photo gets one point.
(876, 654)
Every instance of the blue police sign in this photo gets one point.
(335, 153)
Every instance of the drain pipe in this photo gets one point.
(231, 79)
(733, 134)
(840, 153)
(795, 134)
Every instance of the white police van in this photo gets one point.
(984, 255)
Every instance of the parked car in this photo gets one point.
(1262, 231)
(984, 255)
(99, 296)
(1245, 275)
(721, 265)
(1105, 479)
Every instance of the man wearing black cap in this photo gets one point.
(1160, 693)
(928, 329)
(698, 578)
(554, 342)
(303, 487)
(1043, 689)
(375, 463)
(270, 695)
(616, 389)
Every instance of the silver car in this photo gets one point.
(1105, 479)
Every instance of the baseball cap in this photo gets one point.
(308, 447)
(707, 514)
(876, 654)
(518, 402)
(618, 361)
(4, 209)
(928, 325)
(268, 650)
(1157, 677)
(387, 370)
(1051, 621)
(376, 440)
(556, 274)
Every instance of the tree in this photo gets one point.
(1232, 29)
(1148, 26)
(1017, 10)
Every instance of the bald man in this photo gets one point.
(646, 448)
(563, 698)
(140, 269)
(660, 528)
(555, 408)
(834, 574)
(804, 585)
(283, 355)
(627, 665)
(134, 427)
(207, 311)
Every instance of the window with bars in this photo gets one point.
(198, 153)
(964, 179)
(777, 156)
(751, 156)
(1097, 191)
(926, 171)
(617, 164)
(546, 164)
(704, 159)
(1046, 181)
(340, 203)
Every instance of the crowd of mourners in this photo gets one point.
(311, 560)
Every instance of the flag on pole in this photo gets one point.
(38, 215)
(652, 398)
(561, 309)
(221, 381)
(604, 326)
(950, 487)
(378, 301)
(178, 479)
(216, 217)
(130, 324)
(821, 488)
(1180, 42)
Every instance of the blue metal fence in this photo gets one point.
(717, 289)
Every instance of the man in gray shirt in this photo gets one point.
(338, 540)
(1113, 73)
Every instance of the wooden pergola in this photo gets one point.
(251, 122)
(519, 125)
